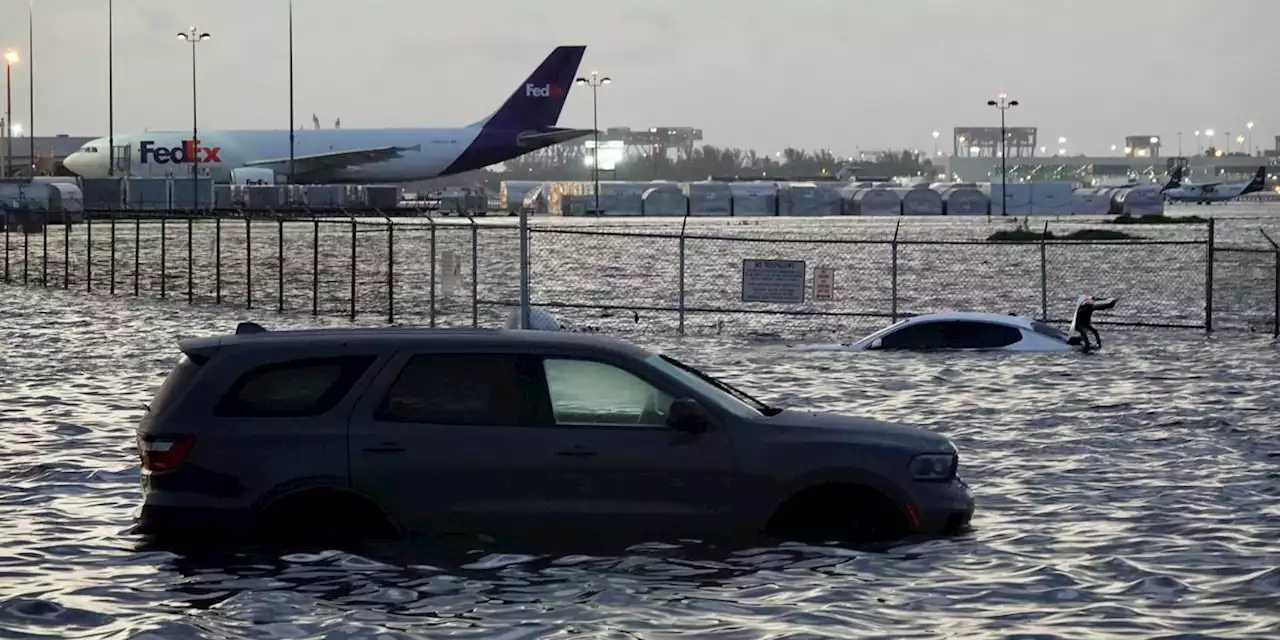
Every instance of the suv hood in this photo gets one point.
(865, 430)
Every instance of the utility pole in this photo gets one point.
(288, 190)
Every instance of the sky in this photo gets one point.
(844, 75)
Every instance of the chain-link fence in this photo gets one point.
(674, 277)
(425, 271)
(729, 282)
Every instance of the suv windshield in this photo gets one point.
(727, 395)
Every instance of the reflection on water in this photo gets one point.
(1131, 491)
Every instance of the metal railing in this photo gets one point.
(681, 279)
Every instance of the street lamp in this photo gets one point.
(1240, 141)
(111, 116)
(10, 59)
(194, 37)
(289, 189)
(936, 133)
(1249, 126)
(595, 82)
(1209, 133)
(1003, 104)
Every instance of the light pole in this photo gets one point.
(111, 116)
(194, 37)
(10, 59)
(936, 133)
(1209, 133)
(595, 82)
(1179, 144)
(288, 190)
(1249, 125)
(31, 83)
(1003, 104)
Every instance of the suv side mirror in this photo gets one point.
(688, 416)
(877, 343)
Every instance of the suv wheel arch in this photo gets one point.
(320, 510)
(853, 507)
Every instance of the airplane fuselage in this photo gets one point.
(429, 153)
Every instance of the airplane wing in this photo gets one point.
(335, 160)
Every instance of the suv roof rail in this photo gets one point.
(249, 327)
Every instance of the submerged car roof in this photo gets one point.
(974, 316)
(414, 336)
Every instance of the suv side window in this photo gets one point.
(595, 393)
(466, 389)
(292, 389)
(979, 335)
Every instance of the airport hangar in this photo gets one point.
(975, 157)
(50, 152)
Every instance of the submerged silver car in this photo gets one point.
(361, 433)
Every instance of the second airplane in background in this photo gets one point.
(525, 122)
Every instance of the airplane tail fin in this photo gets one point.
(1175, 178)
(538, 101)
(1259, 181)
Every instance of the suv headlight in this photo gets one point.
(934, 467)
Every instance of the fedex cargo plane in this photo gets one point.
(525, 122)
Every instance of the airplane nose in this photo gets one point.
(75, 163)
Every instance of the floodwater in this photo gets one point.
(1127, 493)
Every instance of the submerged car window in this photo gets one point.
(588, 392)
(465, 389)
(922, 335)
(979, 335)
(297, 388)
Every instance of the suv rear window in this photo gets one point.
(297, 388)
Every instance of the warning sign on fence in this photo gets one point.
(824, 283)
(778, 281)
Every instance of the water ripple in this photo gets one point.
(1132, 493)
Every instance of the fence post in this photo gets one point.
(893, 273)
(1275, 283)
(391, 271)
(137, 253)
(1208, 281)
(1044, 275)
(110, 269)
(164, 254)
(8, 220)
(88, 253)
(217, 259)
(26, 241)
(524, 268)
(315, 266)
(475, 273)
(44, 250)
(66, 255)
(191, 278)
(683, 226)
(353, 269)
(280, 264)
(433, 271)
(248, 261)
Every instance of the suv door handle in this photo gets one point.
(576, 452)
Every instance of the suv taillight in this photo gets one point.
(164, 453)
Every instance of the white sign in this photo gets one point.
(778, 281)
(450, 273)
(824, 283)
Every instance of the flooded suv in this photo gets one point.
(363, 433)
